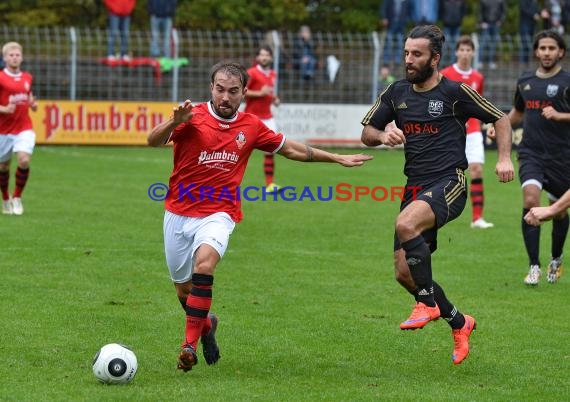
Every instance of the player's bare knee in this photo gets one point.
(205, 265)
(475, 171)
(23, 161)
(531, 196)
(530, 201)
(405, 229)
(24, 164)
(204, 268)
(206, 259)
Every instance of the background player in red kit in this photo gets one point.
(16, 134)
(462, 71)
(212, 144)
(259, 97)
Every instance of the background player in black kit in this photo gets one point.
(427, 113)
(542, 104)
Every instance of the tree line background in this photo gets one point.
(233, 15)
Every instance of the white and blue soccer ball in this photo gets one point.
(115, 364)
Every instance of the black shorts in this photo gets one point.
(554, 179)
(446, 197)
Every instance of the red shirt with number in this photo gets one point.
(16, 89)
(210, 157)
(258, 78)
(475, 80)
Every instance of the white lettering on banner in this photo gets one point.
(325, 124)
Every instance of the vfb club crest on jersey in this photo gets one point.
(435, 108)
(240, 140)
(551, 90)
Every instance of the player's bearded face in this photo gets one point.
(419, 72)
(227, 94)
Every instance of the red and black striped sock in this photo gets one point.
(4, 182)
(198, 305)
(207, 325)
(21, 180)
(477, 198)
(269, 168)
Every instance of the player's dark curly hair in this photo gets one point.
(267, 48)
(550, 34)
(432, 33)
(231, 68)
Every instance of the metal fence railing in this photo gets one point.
(69, 63)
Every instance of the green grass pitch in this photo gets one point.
(308, 306)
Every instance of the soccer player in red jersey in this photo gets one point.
(462, 71)
(212, 143)
(16, 134)
(259, 97)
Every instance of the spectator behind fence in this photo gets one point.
(492, 13)
(394, 16)
(425, 11)
(161, 15)
(385, 78)
(119, 21)
(552, 16)
(451, 14)
(304, 58)
(528, 18)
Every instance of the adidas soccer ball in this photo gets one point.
(115, 364)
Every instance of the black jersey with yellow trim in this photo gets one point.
(433, 122)
(548, 139)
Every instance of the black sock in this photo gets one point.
(448, 311)
(413, 293)
(418, 258)
(531, 236)
(559, 232)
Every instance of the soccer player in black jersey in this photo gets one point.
(427, 112)
(542, 105)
